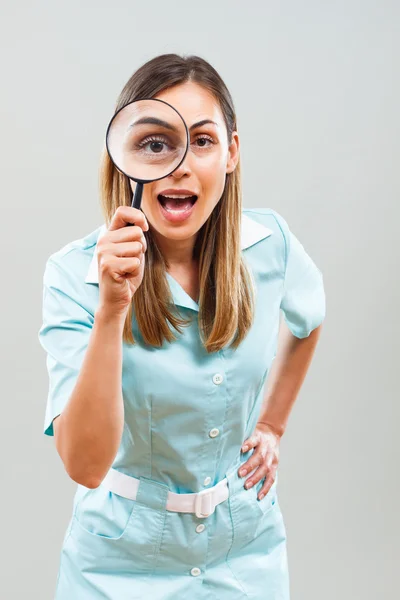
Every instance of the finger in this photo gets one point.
(264, 467)
(250, 443)
(124, 234)
(258, 474)
(127, 214)
(255, 459)
(120, 268)
(122, 249)
(269, 480)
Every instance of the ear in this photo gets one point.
(233, 153)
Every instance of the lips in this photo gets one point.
(177, 204)
(178, 191)
(176, 210)
(175, 198)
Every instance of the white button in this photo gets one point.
(195, 571)
(200, 528)
(214, 432)
(217, 378)
(207, 481)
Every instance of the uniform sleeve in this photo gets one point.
(303, 301)
(64, 335)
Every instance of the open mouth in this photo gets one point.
(177, 204)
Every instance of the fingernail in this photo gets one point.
(245, 448)
(242, 472)
(248, 484)
(261, 496)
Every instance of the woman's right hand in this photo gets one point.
(121, 259)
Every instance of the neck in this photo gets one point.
(177, 253)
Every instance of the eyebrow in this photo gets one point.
(203, 122)
(166, 125)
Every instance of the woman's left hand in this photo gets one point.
(265, 456)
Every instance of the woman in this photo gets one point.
(159, 339)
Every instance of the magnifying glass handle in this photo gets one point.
(137, 199)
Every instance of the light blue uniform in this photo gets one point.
(187, 414)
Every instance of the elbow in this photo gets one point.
(88, 474)
(86, 479)
(89, 483)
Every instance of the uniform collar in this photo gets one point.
(251, 232)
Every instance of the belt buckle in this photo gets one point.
(203, 504)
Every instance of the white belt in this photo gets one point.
(201, 503)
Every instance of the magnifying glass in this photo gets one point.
(147, 140)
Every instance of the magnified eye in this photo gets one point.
(156, 144)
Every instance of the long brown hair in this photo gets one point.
(226, 302)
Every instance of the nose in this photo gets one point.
(183, 169)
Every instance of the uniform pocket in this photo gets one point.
(257, 555)
(249, 515)
(115, 534)
(102, 513)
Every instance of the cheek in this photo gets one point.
(211, 171)
(148, 204)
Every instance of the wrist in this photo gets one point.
(278, 430)
(105, 315)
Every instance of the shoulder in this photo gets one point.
(270, 218)
(274, 221)
(68, 265)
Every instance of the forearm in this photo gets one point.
(285, 379)
(91, 425)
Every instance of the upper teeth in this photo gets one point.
(176, 196)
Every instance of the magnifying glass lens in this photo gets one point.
(147, 139)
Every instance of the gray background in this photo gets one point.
(316, 88)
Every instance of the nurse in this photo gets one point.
(159, 340)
